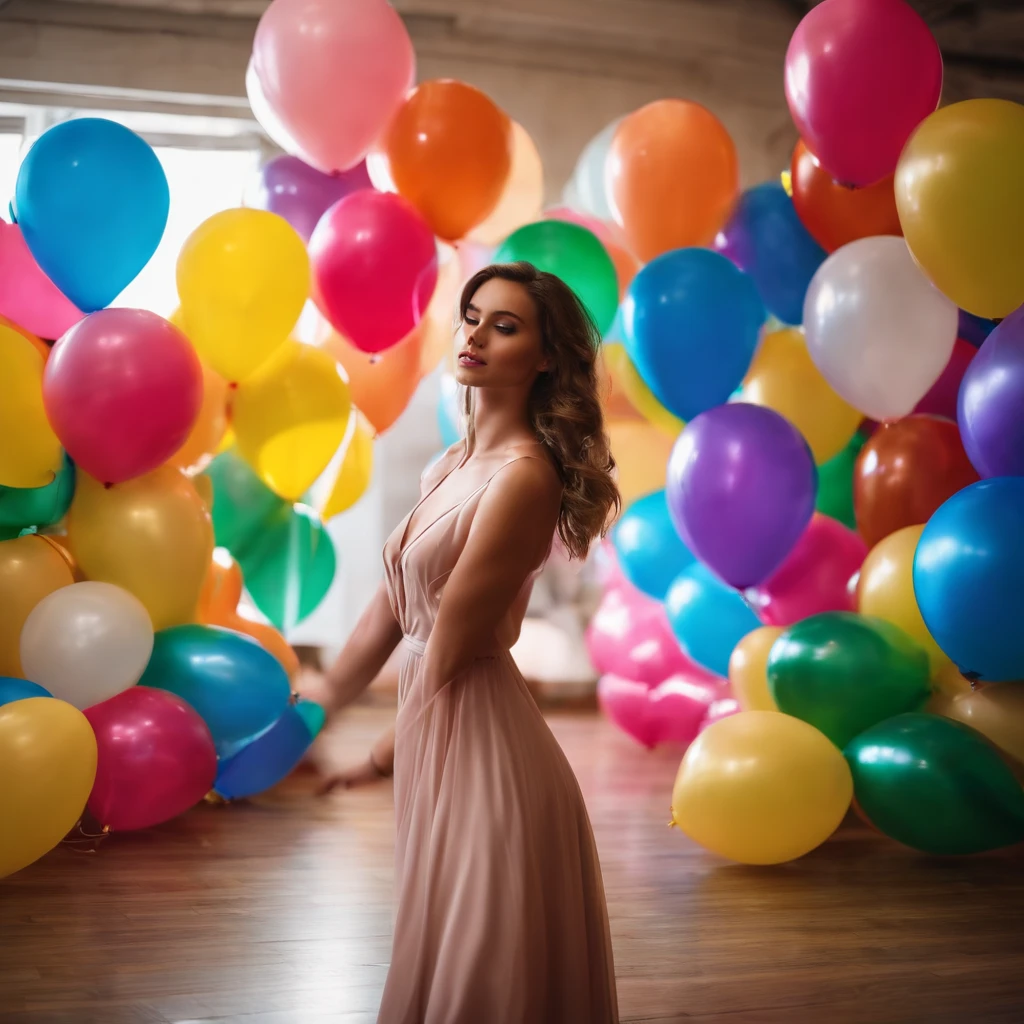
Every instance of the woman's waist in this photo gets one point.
(416, 646)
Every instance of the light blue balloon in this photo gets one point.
(92, 203)
(692, 321)
(649, 549)
(12, 689)
(708, 617)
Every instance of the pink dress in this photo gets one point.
(501, 913)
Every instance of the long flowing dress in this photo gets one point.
(501, 914)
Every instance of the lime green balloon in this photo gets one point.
(936, 785)
(242, 503)
(844, 673)
(25, 507)
(576, 256)
(835, 483)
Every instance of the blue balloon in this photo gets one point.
(12, 689)
(649, 549)
(92, 203)
(974, 329)
(708, 617)
(969, 578)
(692, 321)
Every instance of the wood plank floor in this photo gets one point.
(278, 912)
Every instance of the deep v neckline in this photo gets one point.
(406, 541)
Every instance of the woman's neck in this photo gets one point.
(499, 419)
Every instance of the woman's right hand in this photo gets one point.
(350, 777)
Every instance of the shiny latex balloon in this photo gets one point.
(12, 689)
(843, 673)
(637, 394)
(941, 400)
(748, 669)
(761, 788)
(587, 190)
(905, 471)
(958, 194)
(669, 713)
(936, 785)
(354, 473)
(835, 483)
(437, 327)
(523, 195)
(242, 503)
(997, 712)
(48, 757)
(23, 507)
(151, 536)
(610, 235)
(974, 329)
(312, 714)
(641, 453)
(650, 552)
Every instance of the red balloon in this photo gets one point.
(374, 268)
(156, 758)
(122, 390)
(941, 399)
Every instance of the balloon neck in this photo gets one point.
(107, 485)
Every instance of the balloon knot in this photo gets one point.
(107, 486)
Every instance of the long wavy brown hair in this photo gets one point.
(563, 404)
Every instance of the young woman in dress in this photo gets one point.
(501, 914)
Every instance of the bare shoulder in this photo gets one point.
(526, 485)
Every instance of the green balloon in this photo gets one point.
(576, 256)
(844, 673)
(936, 785)
(242, 503)
(25, 507)
(835, 483)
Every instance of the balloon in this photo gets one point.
(312, 714)
(784, 378)
(449, 419)
(748, 669)
(834, 214)
(37, 506)
(815, 576)
(765, 238)
(151, 536)
(835, 483)
(92, 203)
(374, 268)
(437, 327)
(641, 453)
(843, 673)
(301, 194)
(725, 707)
(958, 194)
(649, 549)
(878, 331)
(576, 256)
(354, 473)
(209, 428)
(974, 329)
(611, 236)
(523, 195)
(156, 759)
(761, 788)
(741, 486)
(672, 176)
(87, 642)
(708, 618)
(12, 689)
(905, 472)
(588, 183)
(670, 712)
(692, 308)
(48, 762)
(27, 296)
(313, 58)
(997, 712)
(122, 390)
(941, 400)
(30, 568)
(936, 785)
(242, 503)
(638, 394)
(860, 77)
(30, 455)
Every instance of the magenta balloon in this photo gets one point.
(374, 268)
(122, 389)
(741, 489)
(156, 758)
(942, 397)
(861, 75)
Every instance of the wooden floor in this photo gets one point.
(279, 913)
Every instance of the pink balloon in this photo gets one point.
(607, 233)
(726, 707)
(122, 389)
(28, 297)
(374, 268)
(332, 73)
(861, 75)
(941, 399)
(814, 577)
(156, 758)
(668, 713)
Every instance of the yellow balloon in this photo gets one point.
(783, 377)
(761, 787)
(243, 278)
(641, 454)
(958, 194)
(151, 535)
(355, 472)
(48, 764)
(886, 589)
(290, 417)
(949, 681)
(748, 669)
(523, 198)
(30, 454)
(628, 380)
(997, 712)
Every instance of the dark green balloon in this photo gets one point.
(835, 483)
(936, 785)
(844, 673)
(24, 507)
(242, 503)
(576, 256)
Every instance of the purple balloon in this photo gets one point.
(741, 489)
(300, 193)
(990, 407)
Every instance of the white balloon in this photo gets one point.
(586, 190)
(86, 642)
(880, 333)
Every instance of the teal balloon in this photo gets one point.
(242, 503)
(12, 689)
(844, 673)
(936, 785)
(24, 507)
(574, 254)
(266, 760)
(312, 714)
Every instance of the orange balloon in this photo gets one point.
(448, 151)
(210, 427)
(641, 454)
(438, 324)
(523, 196)
(673, 177)
(615, 403)
(835, 214)
(626, 266)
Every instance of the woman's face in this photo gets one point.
(499, 343)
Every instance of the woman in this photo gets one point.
(501, 913)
